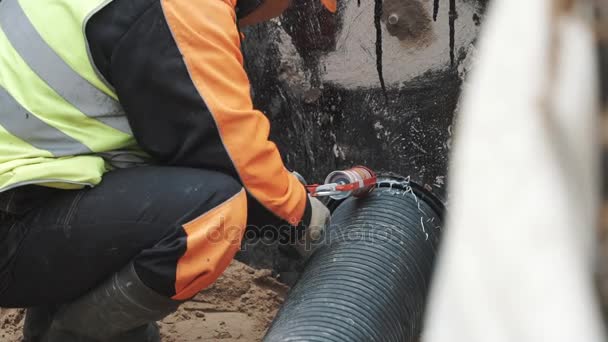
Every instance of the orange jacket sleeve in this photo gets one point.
(208, 39)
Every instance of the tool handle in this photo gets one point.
(319, 190)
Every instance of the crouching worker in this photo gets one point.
(131, 160)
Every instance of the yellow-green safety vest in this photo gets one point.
(61, 124)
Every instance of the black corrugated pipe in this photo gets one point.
(369, 282)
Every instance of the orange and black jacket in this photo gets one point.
(177, 68)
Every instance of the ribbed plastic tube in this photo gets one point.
(369, 283)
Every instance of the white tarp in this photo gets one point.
(517, 257)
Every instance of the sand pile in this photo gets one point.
(11, 323)
(238, 307)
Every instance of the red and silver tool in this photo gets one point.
(357, 181)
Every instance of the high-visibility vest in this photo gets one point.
(60, 122)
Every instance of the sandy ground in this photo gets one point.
(238, 307)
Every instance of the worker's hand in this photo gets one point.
(315, 232)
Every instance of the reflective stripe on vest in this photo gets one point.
(55, 72)
(27, 127)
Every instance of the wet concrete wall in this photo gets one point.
(376, 84)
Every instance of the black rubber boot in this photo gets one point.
(37, 323)
(121, 309)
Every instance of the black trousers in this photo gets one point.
(180, 227)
